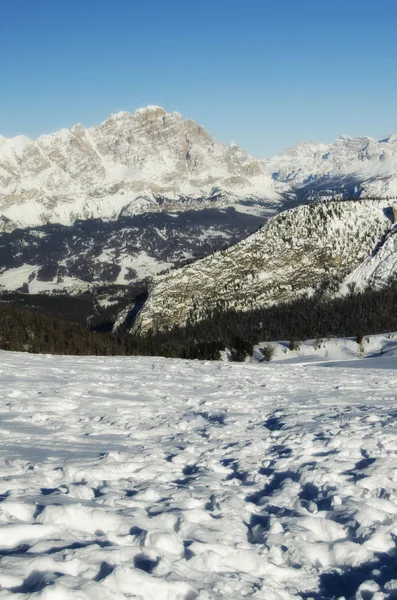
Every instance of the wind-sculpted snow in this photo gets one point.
(168, 480)
(304, 249)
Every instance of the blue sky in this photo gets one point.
(265, 74)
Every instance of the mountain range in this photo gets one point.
(153, 160)
(129, 164)
(140, 193)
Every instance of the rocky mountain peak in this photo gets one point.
(150, 112)
(151, 160)
(127, 164)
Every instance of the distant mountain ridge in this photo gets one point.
(349, 167)
(59, 193)
(129, 164)
(154, 160)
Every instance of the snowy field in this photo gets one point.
(175, 480)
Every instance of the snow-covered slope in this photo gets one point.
(298, 251)
(129, 164)
(378, 268)
(179, 480)
(335, 350)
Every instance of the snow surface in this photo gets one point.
(175, 480)
(321, 350)
(14, 279)
(378, 268)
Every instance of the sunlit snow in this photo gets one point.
(167, 479)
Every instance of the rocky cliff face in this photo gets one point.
(131, 163)
(300, 251)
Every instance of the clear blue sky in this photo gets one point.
(266, 74)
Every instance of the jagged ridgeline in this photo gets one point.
(129, 164)
(301, 251)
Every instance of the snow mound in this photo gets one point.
(325, 349)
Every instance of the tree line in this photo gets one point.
(357, 314)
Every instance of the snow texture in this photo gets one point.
(165, 479)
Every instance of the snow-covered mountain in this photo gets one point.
(314, 247)
(153, 160)
(349, 167)
(161, 165)
(129, 164)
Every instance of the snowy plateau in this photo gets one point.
(142, 192)
(162, 479)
